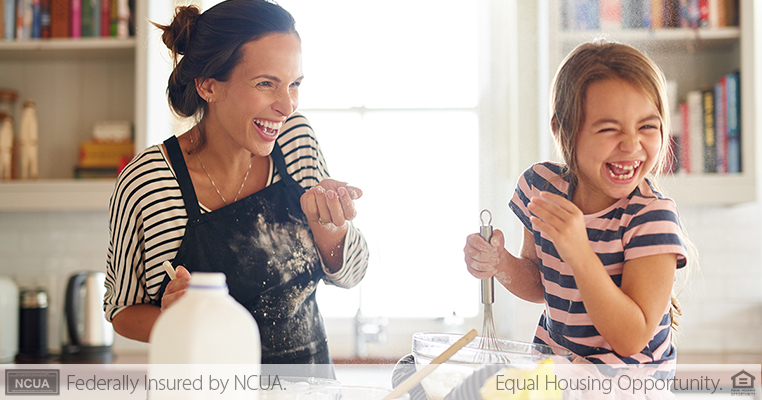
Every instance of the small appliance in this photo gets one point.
(9, 319)
(33, 325)
(88, 337)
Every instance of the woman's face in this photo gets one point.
(618, 144)
(262, 92)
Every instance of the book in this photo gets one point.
(733, 123)
(2, 20)
(693, 14)
(671, 13)
(86, 20)
(720, 130)
(99, 154)
(95, 5)
(656, 7)
(684, 150)
(717, 11)
(588, 15)
(710, 142)
(695, 132)
(45, 19)
(703, 13)
(10, 19)
(105, 20)
(731, 12)
(75, 19)
(672, 164)
(610, 14)
(114, 17)
(36, 20)
(59, 18)
(635, 14)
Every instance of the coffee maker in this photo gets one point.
(87, 336)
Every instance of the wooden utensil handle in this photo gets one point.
(416, 378)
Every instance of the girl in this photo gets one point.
(600, 245)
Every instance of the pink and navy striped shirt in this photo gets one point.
(644, 223)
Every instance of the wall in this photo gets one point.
(722, 301)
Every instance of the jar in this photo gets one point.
(8, 99)
(33, 324)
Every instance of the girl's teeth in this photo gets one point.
(629, 168)
(623, 176)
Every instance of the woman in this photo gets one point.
(244, 192)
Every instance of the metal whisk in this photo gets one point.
(488, 340)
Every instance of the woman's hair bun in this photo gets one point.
(177, 35)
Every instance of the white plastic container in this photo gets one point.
(206, 326)
(9, 320)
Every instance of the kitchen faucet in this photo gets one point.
(368, 330)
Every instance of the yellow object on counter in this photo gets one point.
(517, 384)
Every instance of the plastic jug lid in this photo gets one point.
(208, 279)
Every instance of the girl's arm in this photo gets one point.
(626, 317)
(520, 275)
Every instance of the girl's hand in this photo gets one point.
(563, 222)
(330, 202)
(482, 258)
(176, 288)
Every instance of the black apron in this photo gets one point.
(264, 246)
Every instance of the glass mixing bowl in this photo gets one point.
(427, 346)
(329, 392)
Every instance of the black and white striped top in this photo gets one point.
(147, 219)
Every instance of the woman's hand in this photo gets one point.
(176, 288)
(564, 223)
(482, 257)
(330, 202)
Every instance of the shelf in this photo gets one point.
(709, 189)
(56, 195)
(681, 39)
(67, 49)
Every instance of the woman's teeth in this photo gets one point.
(623, 172)
(270, 128)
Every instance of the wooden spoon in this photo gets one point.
(417, 377)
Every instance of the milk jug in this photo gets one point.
(206, 326)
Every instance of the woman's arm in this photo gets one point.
(328, 204)
(520, 275)
(135, 322)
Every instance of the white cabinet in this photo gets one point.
(75, 83)
(692, 57)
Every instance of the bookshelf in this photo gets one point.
(77, 82)
(693, 58)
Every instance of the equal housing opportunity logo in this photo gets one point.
(32, 382)
(743, 384)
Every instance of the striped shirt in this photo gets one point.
(644, 223)
(147, 219)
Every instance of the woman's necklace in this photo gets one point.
(212, 180)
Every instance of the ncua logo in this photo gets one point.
(32, 381)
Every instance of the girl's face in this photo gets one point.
(618, 144)
(261, 93)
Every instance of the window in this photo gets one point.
(391, 89)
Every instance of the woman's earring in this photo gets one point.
(209, 100)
